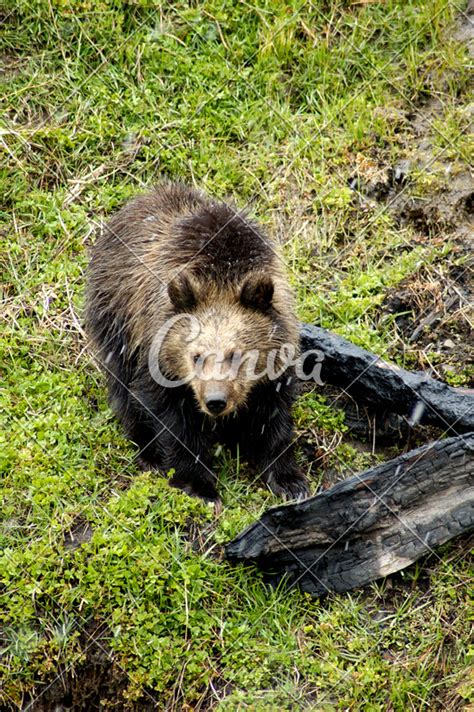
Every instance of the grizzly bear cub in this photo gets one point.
(191, 315)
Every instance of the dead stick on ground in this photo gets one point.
(371, 524)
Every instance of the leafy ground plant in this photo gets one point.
(114, 589)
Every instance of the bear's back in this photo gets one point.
(156, 236)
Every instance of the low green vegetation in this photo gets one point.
(278, 104)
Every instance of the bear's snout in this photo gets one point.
(216, 402)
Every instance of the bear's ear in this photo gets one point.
(182, 292)
(257, 292)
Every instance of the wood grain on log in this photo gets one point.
(369, 525)
(372, 380)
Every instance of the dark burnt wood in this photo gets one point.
(369, 525)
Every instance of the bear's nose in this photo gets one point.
(216, 404)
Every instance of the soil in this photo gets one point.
(79, 533)
(96, 684)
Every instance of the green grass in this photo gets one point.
(278, 104)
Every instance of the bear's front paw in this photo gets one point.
(146, 465)
(294, 487)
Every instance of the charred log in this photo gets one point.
(369, 525)
(371, 380)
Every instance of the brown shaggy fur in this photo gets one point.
(175, 251)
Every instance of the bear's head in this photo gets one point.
(224, 339)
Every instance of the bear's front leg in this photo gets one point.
(267, 442)
(192, 470)
(282, 474)
(187, 449)
(170, 434)
(191, 464)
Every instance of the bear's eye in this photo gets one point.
(233, 356)
(196, 357)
